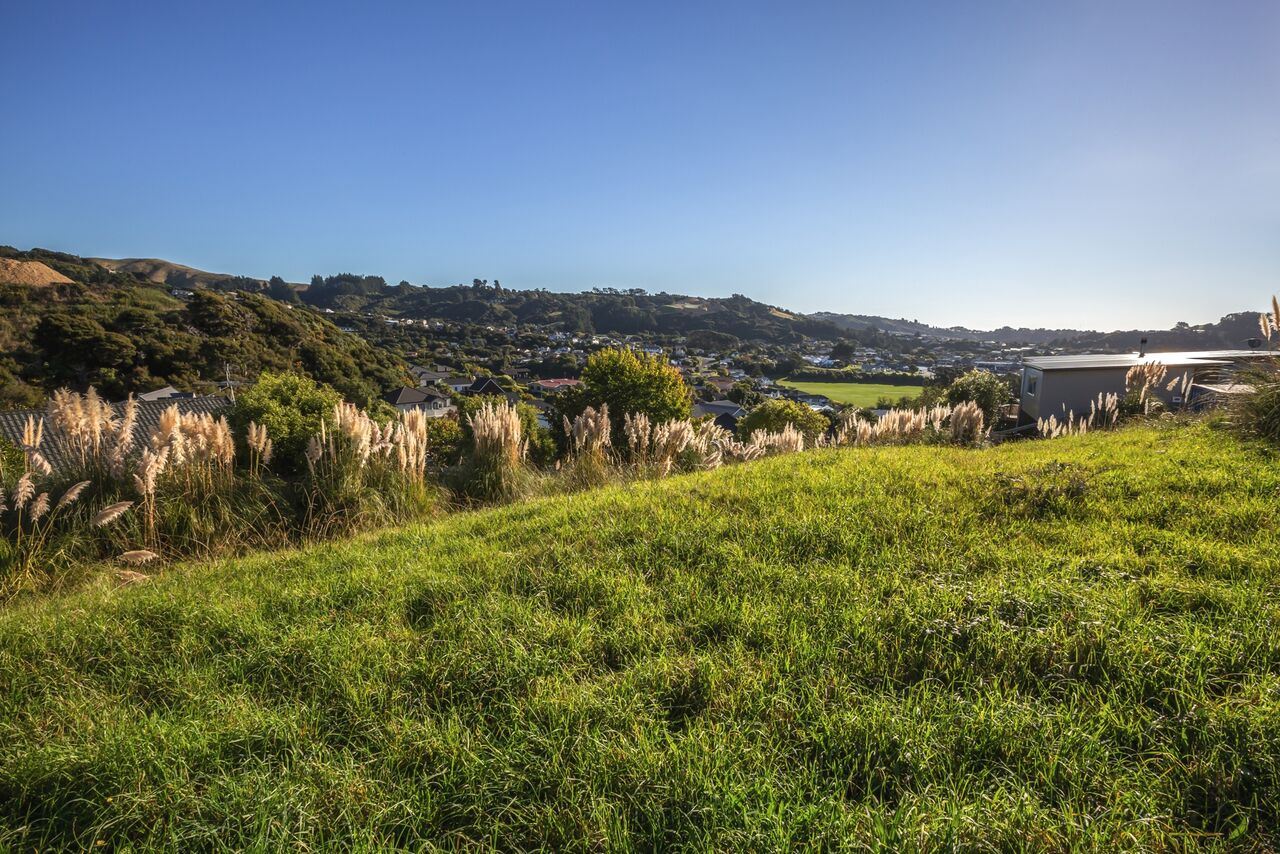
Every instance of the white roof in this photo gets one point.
(1129, 360)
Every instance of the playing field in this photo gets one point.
(858, 394)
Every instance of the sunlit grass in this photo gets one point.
(855, 394)
(872, 646)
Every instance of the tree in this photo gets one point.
(292, 407)
(773, 415)
(279, 289)
(743, 394)
(626, 381)
(983, 388)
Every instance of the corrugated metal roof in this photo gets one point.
(148, 416)
(1129, 360)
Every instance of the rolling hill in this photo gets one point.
(1065, 645)
(168, 273)
(82, 324)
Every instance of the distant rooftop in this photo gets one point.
(1129, 360)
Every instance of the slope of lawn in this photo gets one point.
(1065, 644)
(854, 394)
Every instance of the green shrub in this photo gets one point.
(983, 388)
(629, 383)
(774, 415)
(1257, 412)
(292, 407)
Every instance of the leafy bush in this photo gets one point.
(773, 416)
(984, 388)
(628, 382)
(292, 407)
(1257, 412)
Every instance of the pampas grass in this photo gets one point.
(1139, 382)
(31, 521)
(496, 469)
(361, 472)
(788, 440)
(589, 440)
(966, 422)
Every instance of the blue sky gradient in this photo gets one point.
(1103, 165)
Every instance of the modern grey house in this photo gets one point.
(1057, 385)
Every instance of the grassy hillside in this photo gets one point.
(124, 335)
(1045, 645)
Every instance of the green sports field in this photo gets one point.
(857, 394)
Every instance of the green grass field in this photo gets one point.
(856, 394)
(917, 648)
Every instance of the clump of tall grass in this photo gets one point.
(589, 438)
(1104, 414)
(260, 448)
(1255, 411)
(658, 450)
(1069, 425)
(361, 472)
(966, 421)
(788, 440)
(32, 519)
(496, 470)
(1138, 384)
(97, 442)
(706, 445)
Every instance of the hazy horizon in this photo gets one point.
(1088, 167)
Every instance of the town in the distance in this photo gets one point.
(162, 331)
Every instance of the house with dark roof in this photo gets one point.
(458, 382)
(166, 393)
(433, 403)
(426, 376)
(725, 413)
(485, 385)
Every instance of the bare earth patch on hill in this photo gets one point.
(29, 273)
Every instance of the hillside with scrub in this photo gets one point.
(1048, 645)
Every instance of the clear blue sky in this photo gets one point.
(1108, 164)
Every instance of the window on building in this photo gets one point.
(1031, 386)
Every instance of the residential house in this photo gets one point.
(166, 393)
(725, 413)
(458, 382)
(485, 385)
(427, 376)
(542, 387)
(1059, 385)
(434, 404)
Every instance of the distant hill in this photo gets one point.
(902, 326)
(1232, 331)
(119, 330)
(168, 273)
